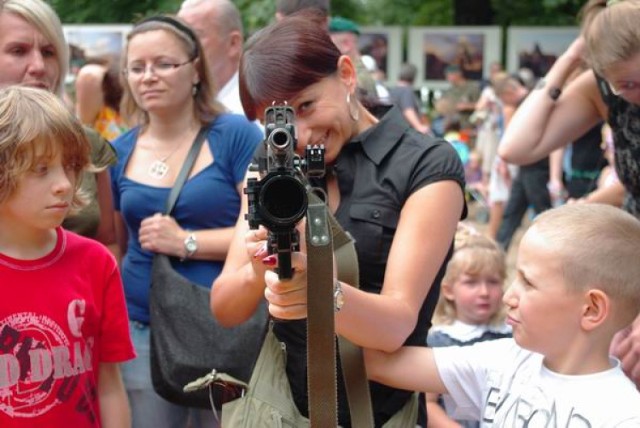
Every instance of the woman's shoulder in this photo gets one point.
(232, 120)
(102, 152)
(126, 139)
(235, 125)
(236, 129)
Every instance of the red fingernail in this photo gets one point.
(270, 260)
(261, 252)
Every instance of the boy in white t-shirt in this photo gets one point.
(576, 286)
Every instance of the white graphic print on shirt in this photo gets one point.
(40, 364)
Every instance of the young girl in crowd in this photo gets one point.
(63, 320)
(470, 308)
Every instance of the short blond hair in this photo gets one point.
(474, 254)
(34, 123)
(503, 82)
(611, 32)
(598, 247)
(45, 20)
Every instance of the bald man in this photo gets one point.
(219, 27)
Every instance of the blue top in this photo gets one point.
(208, 200)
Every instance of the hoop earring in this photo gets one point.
(354, 113)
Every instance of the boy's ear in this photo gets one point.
(596, 309)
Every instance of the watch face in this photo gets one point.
(191, 246)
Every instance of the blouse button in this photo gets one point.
(375, 214)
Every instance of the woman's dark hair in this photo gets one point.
(283, 59)
(111, 84)
(112, 88)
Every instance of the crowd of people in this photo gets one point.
(85, 177)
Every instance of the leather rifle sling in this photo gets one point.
(357, 386)
(321, 355)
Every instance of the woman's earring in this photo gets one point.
(194, 89)
(353, 108)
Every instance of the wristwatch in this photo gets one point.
(190, 245)
(338, 296)
(554, 92)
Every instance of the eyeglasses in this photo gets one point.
(161, 68)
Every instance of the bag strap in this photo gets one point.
(186, 169)
(357, 386)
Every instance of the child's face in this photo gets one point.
(544, 314)
(476, 297)
(43, 196)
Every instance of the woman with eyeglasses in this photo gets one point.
(556, 114)
(168, 97)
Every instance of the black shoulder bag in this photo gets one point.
(186, 340)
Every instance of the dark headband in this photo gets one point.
(174, 23)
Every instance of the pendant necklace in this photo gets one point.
(159, 168)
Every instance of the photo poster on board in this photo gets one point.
(433, 49)
(537, 48)
(384, 45)
(95, 42)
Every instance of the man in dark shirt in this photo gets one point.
(529, 187)
(402, 95)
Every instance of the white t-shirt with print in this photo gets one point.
(509, 387)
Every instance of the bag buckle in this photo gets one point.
(214, 377)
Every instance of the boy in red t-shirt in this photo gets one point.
(63, 320)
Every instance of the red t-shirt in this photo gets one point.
(60, 317)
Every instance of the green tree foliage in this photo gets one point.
(539, 12)
(257, 13)
(408, 12)
(110, 11)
